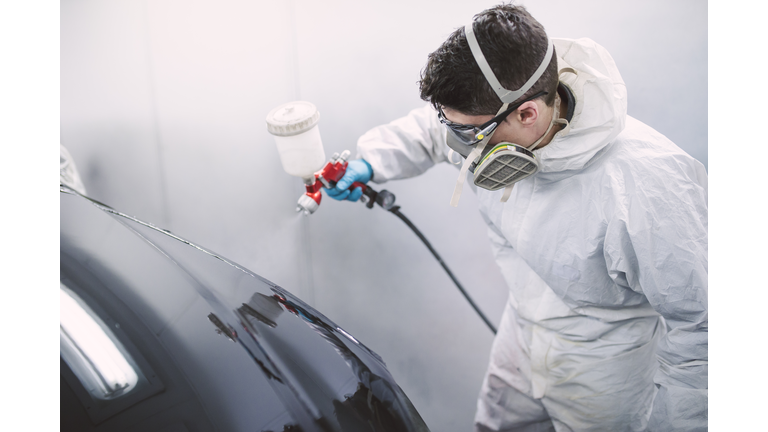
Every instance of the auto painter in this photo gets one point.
(597, 221)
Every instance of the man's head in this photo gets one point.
(513, 43)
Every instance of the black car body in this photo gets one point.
(214, 346)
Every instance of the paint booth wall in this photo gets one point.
(163, 106)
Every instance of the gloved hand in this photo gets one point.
(357, 170)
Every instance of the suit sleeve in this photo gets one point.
(405, 147)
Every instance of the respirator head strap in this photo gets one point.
(506, 96)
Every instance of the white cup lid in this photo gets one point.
(292, 118)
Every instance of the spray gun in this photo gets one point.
(294, 126)
(328, 176)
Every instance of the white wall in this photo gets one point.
(163, 105)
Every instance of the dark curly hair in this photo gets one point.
(513, 43)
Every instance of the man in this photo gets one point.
(598, 223)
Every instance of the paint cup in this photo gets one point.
(294, 126)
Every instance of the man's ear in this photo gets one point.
(528, 113)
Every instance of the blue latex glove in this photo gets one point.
(357, 170)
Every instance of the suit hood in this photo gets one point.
(601, 106)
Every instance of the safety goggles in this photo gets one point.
(470, 134)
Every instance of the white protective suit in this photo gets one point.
(605, 254)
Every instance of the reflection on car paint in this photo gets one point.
(222, 329)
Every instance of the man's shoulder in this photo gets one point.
(643, 147)
(642, 160)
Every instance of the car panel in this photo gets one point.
(323, 377)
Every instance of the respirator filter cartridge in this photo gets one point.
(504, 165)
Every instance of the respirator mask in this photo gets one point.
(504, 164)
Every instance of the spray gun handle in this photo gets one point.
(369, 195)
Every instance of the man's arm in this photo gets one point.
(405, 147)
(656, 244)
